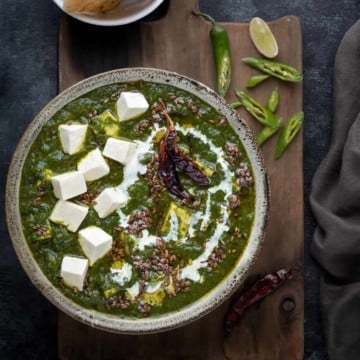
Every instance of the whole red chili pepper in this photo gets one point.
(172, 158)
(255, 293)
(188, 167)
(169, 175)
(182, 162)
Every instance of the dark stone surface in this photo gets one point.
(28, 80)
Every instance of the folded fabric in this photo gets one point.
(335, 201)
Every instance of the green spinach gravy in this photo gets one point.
(165, 253)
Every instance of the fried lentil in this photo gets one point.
(118, 250)
(138, 221)
(88, 198)
(153, 179)
(216, 257)
(116, 302)
(244, 177)
(144, 308)
(40, 230)
(234, 201)
(233, 152)
(91, 115)
(143, 125)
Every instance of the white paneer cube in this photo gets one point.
(68, 185)
(68, 214)
(95, 243)
(119, 150)
(93, 166)
(72, 136)
(108, 201)
(73, 271)
(130, 105)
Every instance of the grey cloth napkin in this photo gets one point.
(335, 201)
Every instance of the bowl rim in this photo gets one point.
(100, 20)
(196, 309)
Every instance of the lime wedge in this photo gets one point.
(262, 37)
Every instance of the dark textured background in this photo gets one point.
(28, 80)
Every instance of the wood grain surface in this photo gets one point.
(273, 328)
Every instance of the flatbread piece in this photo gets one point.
(90, 6)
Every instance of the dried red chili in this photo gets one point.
(169, 175)
(258, 291)
(182, 162)
(172, 158)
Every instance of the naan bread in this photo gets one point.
(90, 6)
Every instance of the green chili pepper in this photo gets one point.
(256, 80)
(236, 104)
(221, 48)
(273, 68)
(267, 132)
(259, 112)
(289, 132)
(273, 101)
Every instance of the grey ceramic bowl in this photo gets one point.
(167, 321)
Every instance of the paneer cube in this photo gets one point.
(93, 166)
(130, 105)
(95, 243)
(72, 137)
(119, 150)
(73, 271)
(68, 185)
(108, 201)
(68, 214)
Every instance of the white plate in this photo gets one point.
(129, 11)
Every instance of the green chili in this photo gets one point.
(259, 112)
(236, 104)
(273, 68)
(289, 132)
(256, 80)
(267, 132)
(273, 101)
(221, 49)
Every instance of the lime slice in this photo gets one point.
(262, 37)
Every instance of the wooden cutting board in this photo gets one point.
(273, 328)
